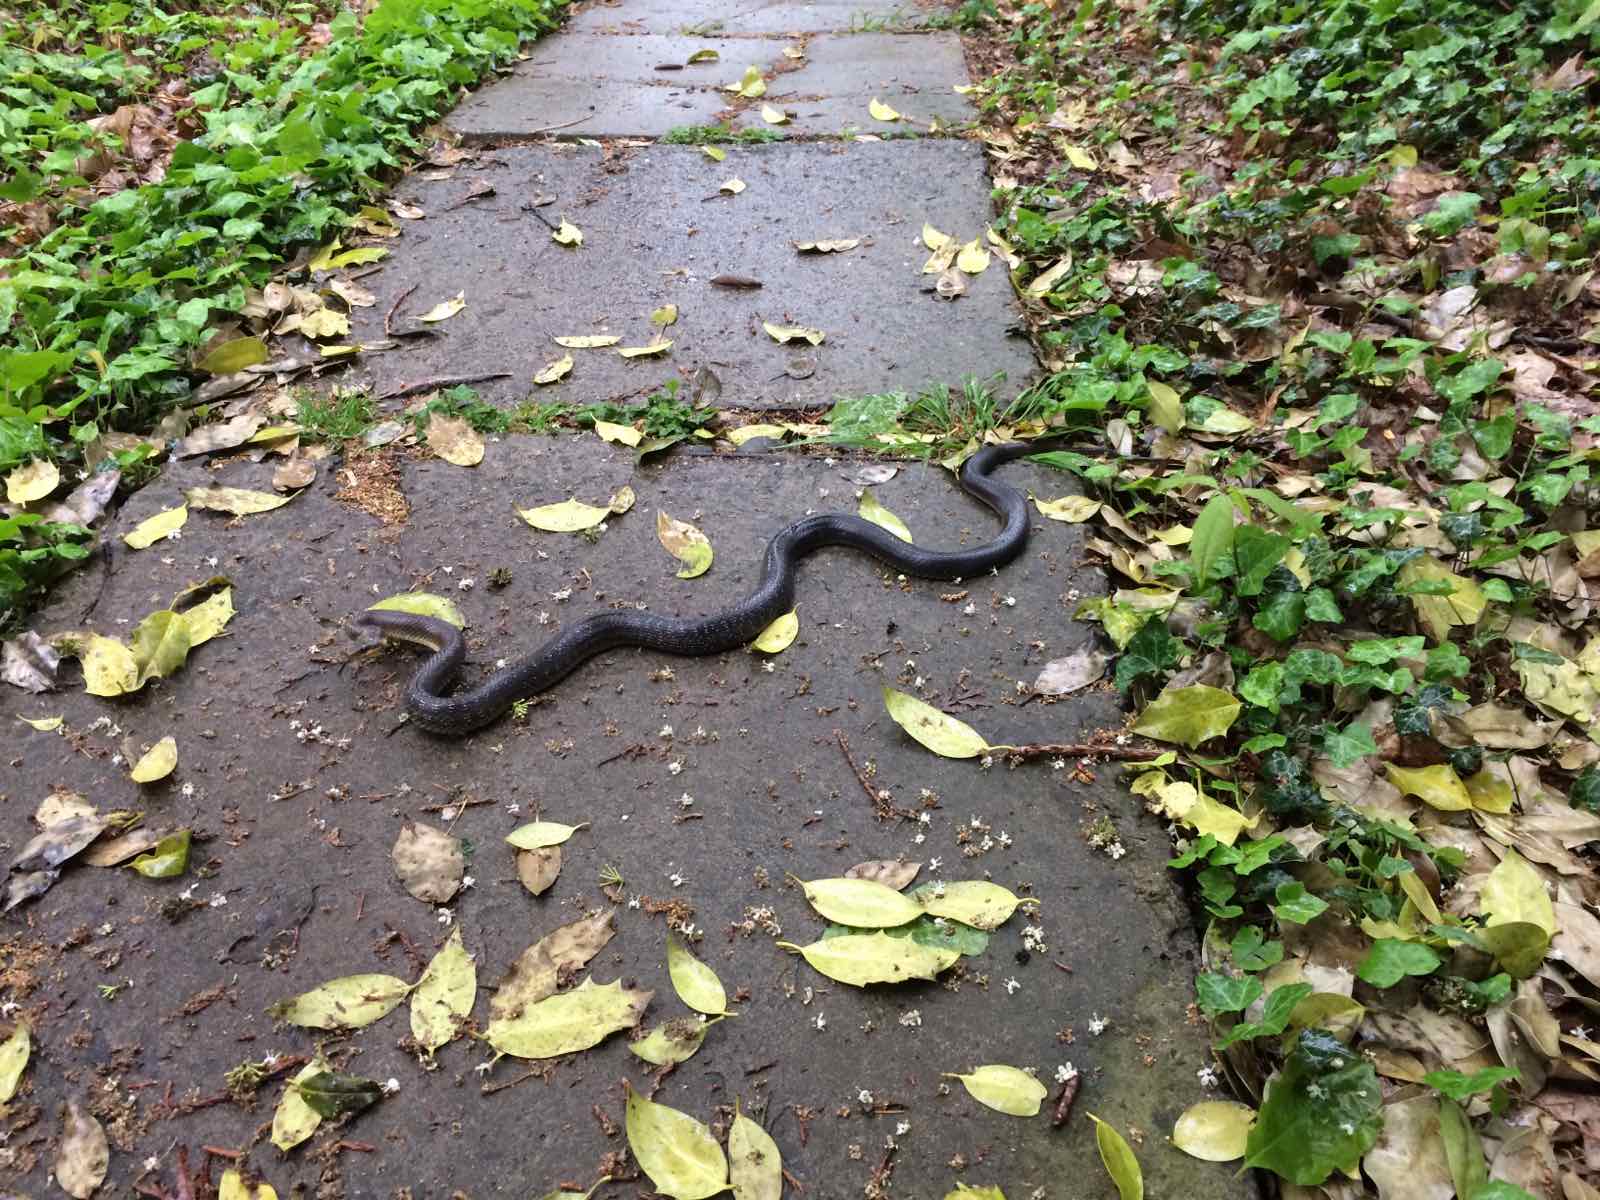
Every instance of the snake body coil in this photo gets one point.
(464, 712)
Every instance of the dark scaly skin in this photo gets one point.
(463, 712)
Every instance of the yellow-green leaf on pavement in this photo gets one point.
(14, 1060)
(673, 1042)
(569, 1021)
(554, 372)
(871, 510)
(570, 516)
(167, 859)
(161, 644)
(567, 234)
(686, 543)
(862, 958)
(445, 309)
(295, 1120)
(1515, 891)
(208, 618)
(588, 341)
(697, 985)
(1214, 1130)
(109, 668)
(677, 1152)
(755, 1167)
(348, 1002)
(659, 346)
(778, 636)
(1005, 1089)
(939, 732)
(881, 111)
(975, 902)
(234, 1187)
(153, 529)
(1437, 786)
(425, 604)
(1118, 1158)
(793, 333)
(538, 834)
(622, 435)
(861, 903)
(1071, 509)
(157, 762)
(233, 355)
(444, 995)
(238, 502)
(1189, 715)
(972, 259)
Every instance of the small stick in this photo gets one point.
(490, 1089)
(1064, 1099)
(219, 1152)
(388, 317)
(433, 808)
(793, 1182)
(880, 806)
(443, 381)
(347, 1144)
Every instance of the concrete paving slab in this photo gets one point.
(656, 231)
(752, 17)
(293, 770)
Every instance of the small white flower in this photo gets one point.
(513, 809)
(106, 929)
(919, 839)
(821, 1022)
(633, 902)
(664, 732)
(769, 667)
(563, 595)
(467, 584)
(468, 881)
(1058, 764)
(484, 1068)
(1207, 1075)
(912, 1019)
(935, 863)
(1066, 1072)
(924, 818)
(218, 900)
(1003, 838)
(971, 610)
(677, 879)
(903, 1128)
(986, 762)
(390, 1086)
(1116, 850)
(544, 618)
(499, 664)
(1581, 1033)
(976, 822)
(864, 1097)
(187, 791)
(1098, 1024)
(152, 1163)
(674, 767)
(1348, 1128)
(1012, 986)
(685, 800)
(446, 916)
(1009, 602)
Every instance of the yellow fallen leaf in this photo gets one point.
(939, 732)
(1071, 509)
(1437, 786)
(732, 186)
(881, 111)
(827, 245)
(686, 543)
(240, 502)
(445, 309)
(324, 323)
(426, 604)
(745, 433)
(1080, 158)
(790, 333)
(973, 258)
(569, 516)
(872, 510)
(778, 636)
(774, 116)
(1166, 406)
(568, 234)
(714, 153)
(454, 440)
(157, 762)
(153, 529)
(33, 481)
(1439, 614)
(933, 239)
(666, 315)
(588, 341)
(624, 435)
(751, 86)
(556, 371)
(653, 348)
(1515, 892)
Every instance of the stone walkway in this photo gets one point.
(294, 770)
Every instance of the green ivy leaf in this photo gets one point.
(1274, 1017)
(1255, 553)
(1281, 617)
(1212, 538)
(1349, 745)
(1321, 1113)
(1460, 1087)
(1252, 952)
(1390, 960)
(1150, 651)
(1226, 993)
(1296, 905)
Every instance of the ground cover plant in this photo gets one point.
(1317, 283)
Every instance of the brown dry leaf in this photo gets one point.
(897, 875)
(429, 862)
(455, 441)
(222, 436)
(84, 1154)
(293, 474)
(537, 869)
(534, 975)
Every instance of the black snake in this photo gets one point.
(466, 711)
